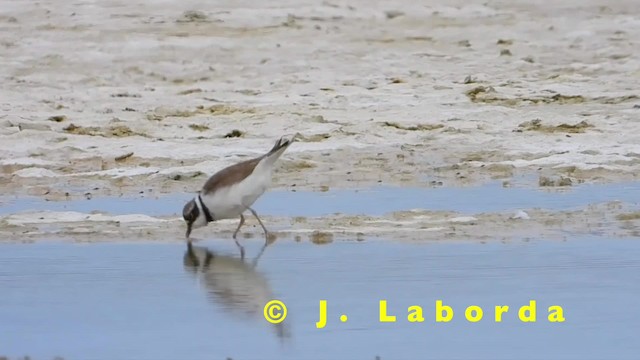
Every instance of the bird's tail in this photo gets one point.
(278, 149)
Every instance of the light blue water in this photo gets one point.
(139, 300)
(375, 201)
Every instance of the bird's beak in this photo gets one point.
(188, 230)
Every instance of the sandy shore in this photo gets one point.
(612, 220)
(114, 98)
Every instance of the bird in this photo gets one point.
(233, 190)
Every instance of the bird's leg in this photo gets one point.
(239, 226)
(236, 240)
(266, 232)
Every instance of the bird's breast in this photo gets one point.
(233, 200)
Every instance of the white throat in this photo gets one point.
(199, 204)
(202, 218)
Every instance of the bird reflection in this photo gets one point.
(233, 283)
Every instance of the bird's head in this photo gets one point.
(193, 216)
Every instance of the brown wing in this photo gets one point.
(230, 175)
(238, 172)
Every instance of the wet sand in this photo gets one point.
(129, 99)
(477, 214)
(114, 98)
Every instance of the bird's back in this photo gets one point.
(230, 191)
(230, 175)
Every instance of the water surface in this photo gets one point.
(374, 201)
(155, 301)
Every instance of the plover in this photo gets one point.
(231, 191)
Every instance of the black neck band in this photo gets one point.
(207, 214)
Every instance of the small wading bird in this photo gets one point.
(233, 190)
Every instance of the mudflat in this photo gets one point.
(128, 97)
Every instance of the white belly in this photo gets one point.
(230, 202)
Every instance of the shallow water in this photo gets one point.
(373, 201)
(147, 301)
